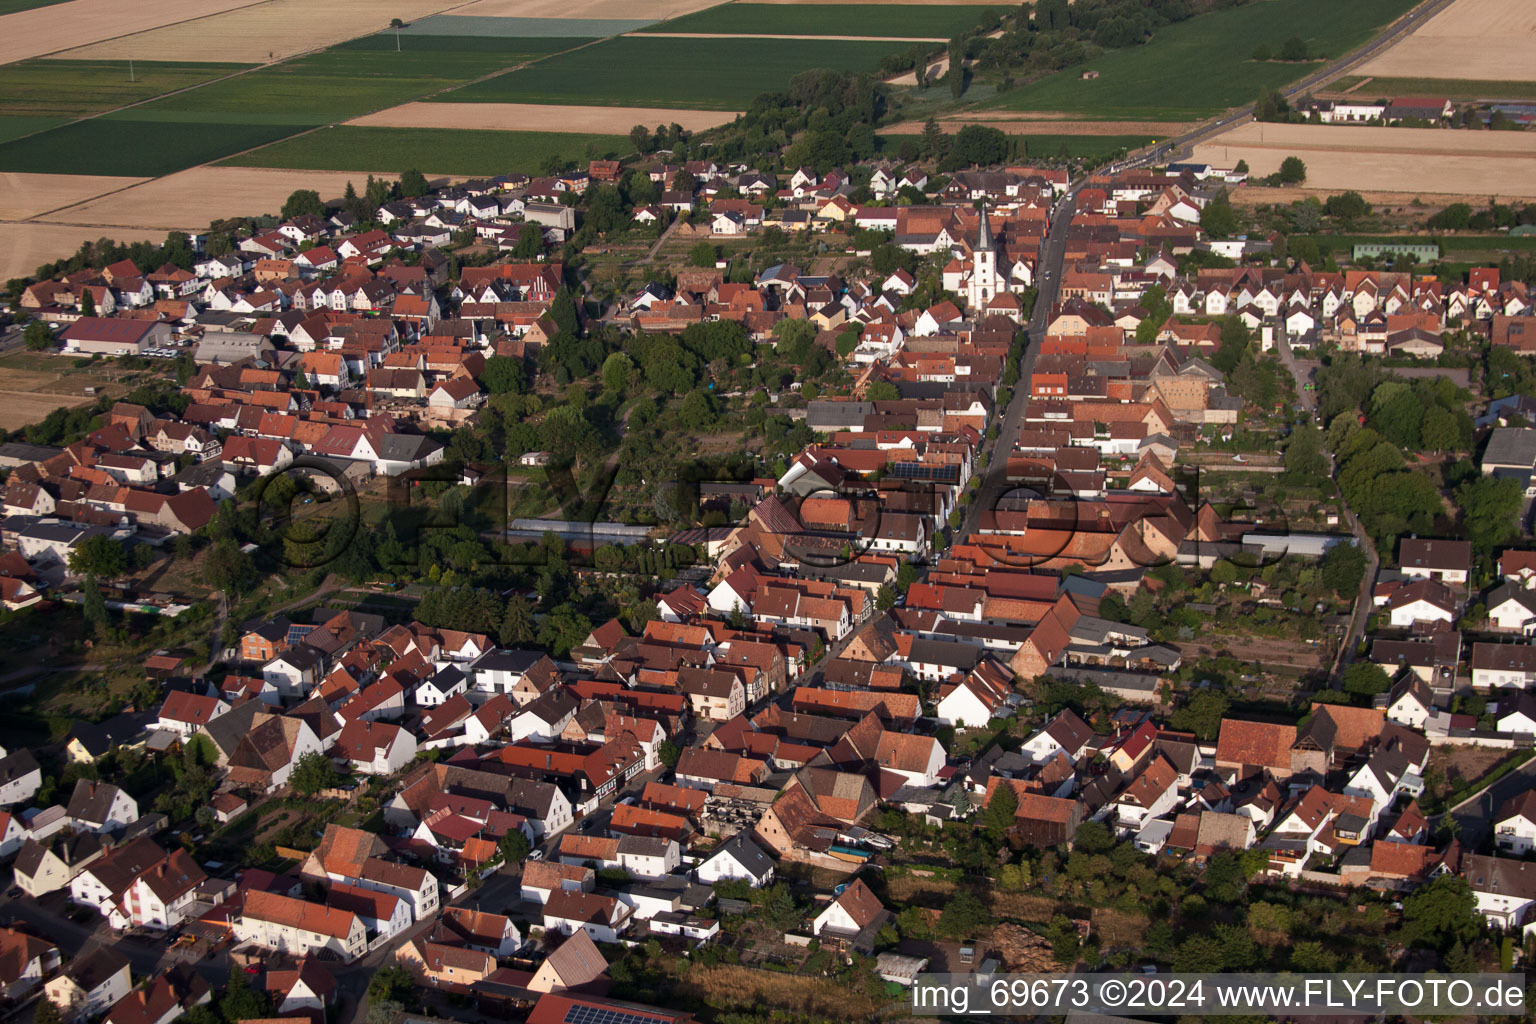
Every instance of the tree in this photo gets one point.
(228, 568)
(703, 255)
(1263, 52)
(882, 391)
(1292, 171)
(1294, 48)
(37, 337)
(641, 138)
(98, 555)
(1490, 510)
(87, 302)
(46, 1012)
(392, 982)
(517, 626)
(1440, 914)
(514, 846)
(1305, 463)
(413, 183)
(303, 202)
(1065, 943)
(669, 753)
(312, 773)
(963, 916)
(241, 1001)
(1001, 810)
(1346, 208)
(1343, 568)
(618, 369)
(1202, 714)
(504, 375)
(885, 598)
(1218, 218)
(956, 74)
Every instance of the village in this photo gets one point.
(1064, 441)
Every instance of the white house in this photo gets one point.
(1505, 890)
(299, 928)
(855, 912)
(1514, 827)
(20, 777)
(1512, 608)
(647, 857)
(1517, 714)
(374, 748)
(603, 918)
(1421, 601)
(1066, 734)
(740, 858)
(1410, 702)
(100, 807)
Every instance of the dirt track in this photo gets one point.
(1413, 160)
(539, 117)
(1492, 40)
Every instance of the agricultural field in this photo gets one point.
(129, 147)
(257, 32)
(37, 29)
(491, 28)
(541, 117)
(189, 200)
(1066, 144)
(28, 195)
(16, 127)
(1366, 87)
(13, 6)
(432, 150)
(1199, 67)
(707, 74)
(1479, 39)
(341, 83)
(1421, 160)
(938, 21)
(77, 88)
(27, 245)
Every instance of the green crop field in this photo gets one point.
(698, 74)
(917, 21)
(1450, 88)
(421, 42)
(134, 148)
(15, 6)
(76, 88)
(1201, 66)
(338, 84)
(16, 127)
(432, 150)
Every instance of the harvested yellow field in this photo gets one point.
(629, 10)
(270, 30)
(26, 245)
(18, 409)
(50, 29)
(189, 200)
(1489, 40)
(539, 117)
(27, 195)
(1430, 161)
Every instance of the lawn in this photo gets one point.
(75, 88)
(434, 150)
(339, 84)
(1450, 88)
(918, 21)
(699, 74)
(1201, 66)
(134, 148)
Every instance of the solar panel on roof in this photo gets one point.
(586, 1013)
(297, 633)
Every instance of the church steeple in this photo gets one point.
(984, 232)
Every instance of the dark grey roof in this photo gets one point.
(91, 801)
(748, 854)
(501, 659)
(17, 764)
(227, 730)
(406, 447)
